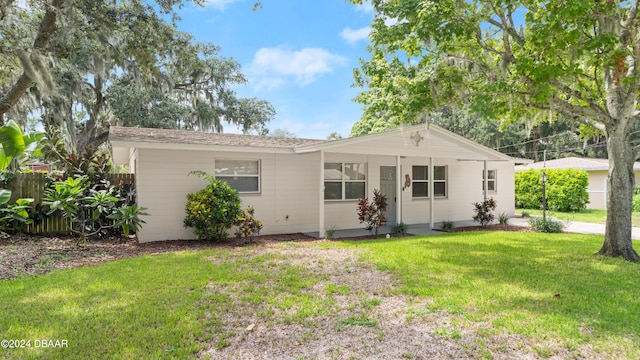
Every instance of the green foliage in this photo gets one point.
(636, 203)
(128, 218)
(400, 228)
(503, 219)
(6, 177)
(483, 211)
(549, 225)
(13, 216)
(92, 210)
(566, 189)
(374, 214)
(212, 210)
(446, 225)
(247, 224)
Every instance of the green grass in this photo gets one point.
(153, 307)
(541, 286)
(587, 215)
(172, 305)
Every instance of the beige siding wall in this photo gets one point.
(289, 188)
(596, 189)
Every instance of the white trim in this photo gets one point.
(432, 197)
(398, 190)
(321, 197)
(200, 147)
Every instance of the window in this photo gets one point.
(345, 181)
(242, 175)
(420, 181)
(491, 180)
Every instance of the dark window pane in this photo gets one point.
(354, 190)
(420, 173)
(440, 189)
(491, 174)
(439, 172)
(420, 189)
(332, 191)
(491, 185)
(242, 184)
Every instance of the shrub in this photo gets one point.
(503, 219)
(400, 228)
(483, 211)
(212, 210)
(547, 226)
(330, 232)
(248, 225)
(13, 216)
(566, 189)
(92, 209)
(447, 225)
(636, 202)
(374, 214)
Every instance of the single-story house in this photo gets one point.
(598, 170)
(428, 174)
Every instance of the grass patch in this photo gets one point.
(542, 286)
(587, 215)
(160, 307)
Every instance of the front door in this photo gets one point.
(388, 188)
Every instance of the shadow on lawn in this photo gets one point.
(553, 277)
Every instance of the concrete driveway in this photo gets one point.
(578, 227)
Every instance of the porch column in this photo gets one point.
(431, 194)
(398, 191)
(321, 197)
(486, 180)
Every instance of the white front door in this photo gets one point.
(388, 188)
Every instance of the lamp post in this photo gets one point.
(544, 196)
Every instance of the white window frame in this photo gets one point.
(343, 180)
(445, 181)
(490, 180)
(258, 175)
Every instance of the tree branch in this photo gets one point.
(46, 29)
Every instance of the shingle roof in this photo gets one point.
(146, 135)
(574, 163)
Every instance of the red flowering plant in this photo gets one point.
(374, 213)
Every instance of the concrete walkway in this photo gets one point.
(578, 227)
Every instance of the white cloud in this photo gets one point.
(219, 4)
(352, 36)
(273, 67)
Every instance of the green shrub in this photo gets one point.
(212, 210)
(483, 211)
(566, 189)
(549, 225)
(400, 228)
(636, 202)
(447, 225)
(503, 219)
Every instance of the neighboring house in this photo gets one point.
(597, 169)
(298, 185)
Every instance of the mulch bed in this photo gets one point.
(33, 255)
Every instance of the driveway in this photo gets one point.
(578, 227)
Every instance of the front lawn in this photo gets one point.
(546, 287)
(479, 294)
(586, 215)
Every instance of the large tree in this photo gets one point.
(86, 65)
(511, 59)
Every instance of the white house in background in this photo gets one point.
(429, 175)
(598, 169)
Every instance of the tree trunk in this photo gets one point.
(617, 238)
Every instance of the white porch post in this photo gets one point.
(398, 191)
(485, 180)
(321, 197)
(431, 194)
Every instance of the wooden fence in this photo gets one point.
(33, 186)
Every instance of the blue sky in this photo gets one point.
(297, 54)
